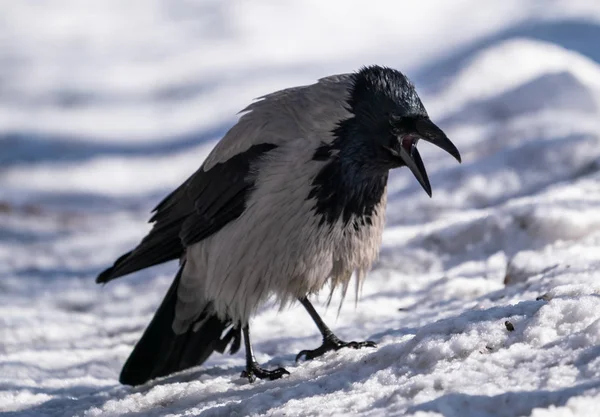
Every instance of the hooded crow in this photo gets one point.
(292, 198)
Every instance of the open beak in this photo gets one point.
(426, 130)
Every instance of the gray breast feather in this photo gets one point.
(276, 247)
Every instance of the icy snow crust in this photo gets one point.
(486, 298)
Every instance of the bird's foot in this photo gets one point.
(332, 343)
(254, 370)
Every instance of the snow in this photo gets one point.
(486, 298)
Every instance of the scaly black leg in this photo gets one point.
(253, 369)
(330, 341)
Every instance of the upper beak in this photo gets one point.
(427, 130)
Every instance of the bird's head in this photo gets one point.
(389, 119)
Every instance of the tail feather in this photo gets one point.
(161, 352)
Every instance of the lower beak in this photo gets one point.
(414, 162)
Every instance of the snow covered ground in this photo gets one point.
(486, 298)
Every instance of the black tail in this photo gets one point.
(161, 352)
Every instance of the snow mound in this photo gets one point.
(514, 63)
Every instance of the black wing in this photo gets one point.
(201, 206)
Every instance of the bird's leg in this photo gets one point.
(330, 341)
(253, 369)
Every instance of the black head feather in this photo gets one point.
(384, 93)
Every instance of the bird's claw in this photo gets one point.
(332, 343)
(254, 371)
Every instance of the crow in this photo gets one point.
(292, 198)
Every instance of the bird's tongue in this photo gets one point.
(408, 142)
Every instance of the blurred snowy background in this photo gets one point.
(106, 106)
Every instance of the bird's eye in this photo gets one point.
(405, 125)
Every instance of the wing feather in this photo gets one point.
(201, 206)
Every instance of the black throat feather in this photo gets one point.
(351, 184)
